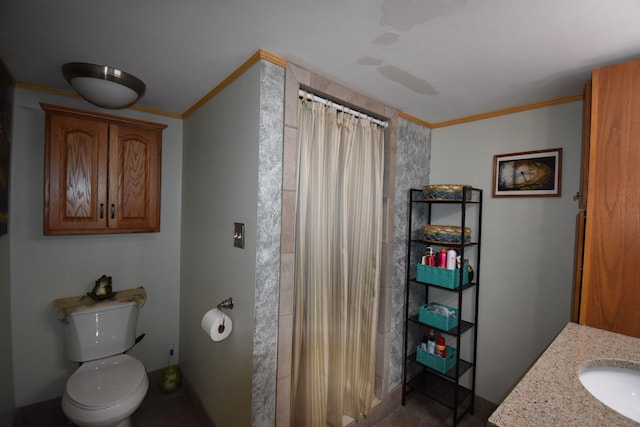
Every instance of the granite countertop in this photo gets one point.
(551, 393)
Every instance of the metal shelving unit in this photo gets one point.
(455, 388)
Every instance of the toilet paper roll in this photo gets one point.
(216, 324)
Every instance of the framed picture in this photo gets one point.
(528, 174)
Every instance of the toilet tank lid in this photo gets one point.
(100, 308)
(66, 306)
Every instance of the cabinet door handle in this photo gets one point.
(101, 210)
(113, 210)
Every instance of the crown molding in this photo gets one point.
(261, 54)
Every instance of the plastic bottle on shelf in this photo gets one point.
(466, 262)
(431, 258)
(424, 342)
(441, 347)
(431, 342)
(451, 259)
(442, 258)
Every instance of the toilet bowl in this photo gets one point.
(105, 392)
(109, 385)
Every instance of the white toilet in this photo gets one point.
(109, 386)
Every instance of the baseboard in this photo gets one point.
(482, 408)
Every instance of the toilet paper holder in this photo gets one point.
(228, 304)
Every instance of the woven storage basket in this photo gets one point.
(445, 234)
(440, 364)
(439, 276)
(437, 320)
(445, 192)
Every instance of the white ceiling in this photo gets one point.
(436, 60)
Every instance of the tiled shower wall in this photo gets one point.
(268, 233)
(412, 171)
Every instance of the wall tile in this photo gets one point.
(283, 411)
(286, 283)
(265, 337)
(285, 340)
(288, 221)
(290, 163)
(412, 171)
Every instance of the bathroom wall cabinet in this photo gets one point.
(101, 173)
(452, 384)
(608, 294)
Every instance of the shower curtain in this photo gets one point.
(337, 267)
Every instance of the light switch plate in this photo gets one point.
(238, 235)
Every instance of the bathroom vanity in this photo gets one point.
(551, 392)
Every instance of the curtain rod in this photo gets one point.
(315, 98)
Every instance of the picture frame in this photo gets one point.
(528, 174)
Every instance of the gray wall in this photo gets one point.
(528, 243)
(45, 268)
(232, 173)
(7, 400)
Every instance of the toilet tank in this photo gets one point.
(101, 331)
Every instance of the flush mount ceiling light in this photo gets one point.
(102, 85)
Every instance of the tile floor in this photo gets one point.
(171, 410)
(422, 412)
(158, 410)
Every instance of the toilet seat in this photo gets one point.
(106, 382)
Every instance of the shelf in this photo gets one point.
(462, 327)
(463, 288)
(450, 374)
(446, 202)
(452, 245)
(442, 391)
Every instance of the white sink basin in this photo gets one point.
(615, 383)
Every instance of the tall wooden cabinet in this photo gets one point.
(610, 285)
(101, 174)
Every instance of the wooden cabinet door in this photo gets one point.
(611, 275)
(75, 190)
(102, 173)
(586, 147)
(134, 178)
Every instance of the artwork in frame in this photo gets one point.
(528, 174)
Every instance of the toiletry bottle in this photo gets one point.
(170, 375)
(451, 259)
(424, 342)
(441, 347)
(431, 258)
(466, 262)
(431, 342)
(442, 258)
